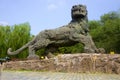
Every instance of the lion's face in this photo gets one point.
(78, 11)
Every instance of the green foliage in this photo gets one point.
(72, 49)
(14, 37)
(107, 33)
(41, 52)
(3, 39)
(94, 24)
(109, 16)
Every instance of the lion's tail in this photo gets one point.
(9, 51)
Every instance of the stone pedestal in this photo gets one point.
(105, 63)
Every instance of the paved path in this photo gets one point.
(28, 75)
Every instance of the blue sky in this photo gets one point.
(50, 14)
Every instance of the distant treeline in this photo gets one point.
(105, 33)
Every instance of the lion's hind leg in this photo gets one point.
(32, 54)
(42, 43)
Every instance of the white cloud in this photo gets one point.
(55, 4)
(3, 23)
(52, 7)
(62, 2)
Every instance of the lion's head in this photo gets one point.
(78, 11)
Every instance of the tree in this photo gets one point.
(109, 16)
(14, 37)
(94, 24)
(106, 32)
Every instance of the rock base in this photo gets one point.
(83, 63)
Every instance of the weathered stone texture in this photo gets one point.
(105, 63)
(68, 35)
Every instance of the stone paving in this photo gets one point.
(29, 75)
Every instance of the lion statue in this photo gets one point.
(75, 32)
